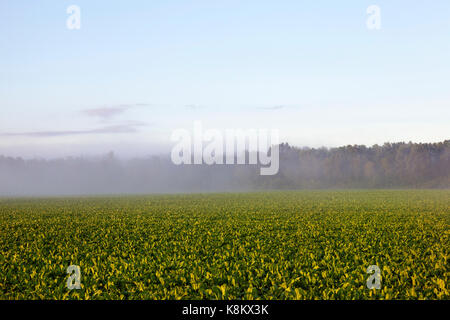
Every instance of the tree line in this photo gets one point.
(391, 165)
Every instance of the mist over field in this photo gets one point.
(398, 165)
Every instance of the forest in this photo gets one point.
(391, 165)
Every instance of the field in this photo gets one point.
(271, 245)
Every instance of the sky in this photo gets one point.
(136, 71)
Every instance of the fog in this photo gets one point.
(111, 175)
(398, 165)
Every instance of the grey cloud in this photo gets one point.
(277, 107)
(111, 111)
(104, 113)
(194, 106)
(123, 128)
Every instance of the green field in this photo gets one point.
(272, 245)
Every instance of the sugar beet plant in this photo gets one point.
(273, 245)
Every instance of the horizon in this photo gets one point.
(113, 153)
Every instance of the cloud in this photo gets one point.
(194, 106)
(277, 107)
(130, 127)
(104, 113)
(109, 112)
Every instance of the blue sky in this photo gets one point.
(137, 70)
